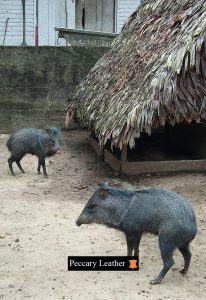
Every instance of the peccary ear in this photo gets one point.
(49, 131)
(103, 184)
(103, 193)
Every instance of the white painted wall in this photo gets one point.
(71, 13)
(124, 9)
(52, 13)
(46, 9)
(64, 17)
(12, 9)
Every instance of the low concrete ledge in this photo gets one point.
(81, 37)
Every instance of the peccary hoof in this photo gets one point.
(183, 271)
(39, 172)
(155, 281)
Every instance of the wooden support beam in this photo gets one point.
(142, 167)
(111, 160)
(95, 145)
(124, 153)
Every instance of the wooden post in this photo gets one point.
(24, 23)
(124, 153)
(37, 25)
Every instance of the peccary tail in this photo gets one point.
(8, 143)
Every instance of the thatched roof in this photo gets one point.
(154, 73)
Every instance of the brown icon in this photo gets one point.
(133, 264)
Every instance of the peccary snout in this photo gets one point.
(78, 222)
(158, 211)
(85, 217)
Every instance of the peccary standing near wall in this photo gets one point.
(153, 210)
(39, 142)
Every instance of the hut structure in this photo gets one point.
(153, 77)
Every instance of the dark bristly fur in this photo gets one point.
(154, 210)
(39, 142)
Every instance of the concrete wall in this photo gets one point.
(36, 82)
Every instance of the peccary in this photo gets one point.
(39, 142)
(153, 210)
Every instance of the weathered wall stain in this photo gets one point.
(36, 82)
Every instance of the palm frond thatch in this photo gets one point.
(154, 73)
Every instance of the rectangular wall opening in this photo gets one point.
(95, 15)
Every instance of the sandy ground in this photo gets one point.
(38, 231)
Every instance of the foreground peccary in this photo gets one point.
(39, 142)
(158, 211)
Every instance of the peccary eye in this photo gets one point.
(52, 142)
(92, 206)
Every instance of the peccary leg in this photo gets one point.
(167, 248)
(10, 162)
(39, 166)
(20, 167)
(15, 158)
(41, 162)
(187, 257)
(18, 158)
(133, 244)
(44, 169)
(136, 249)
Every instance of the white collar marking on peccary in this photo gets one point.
(42, 148)
(125, 213)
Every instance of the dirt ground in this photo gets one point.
(38, 231)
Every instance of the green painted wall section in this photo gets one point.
(35, 83)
